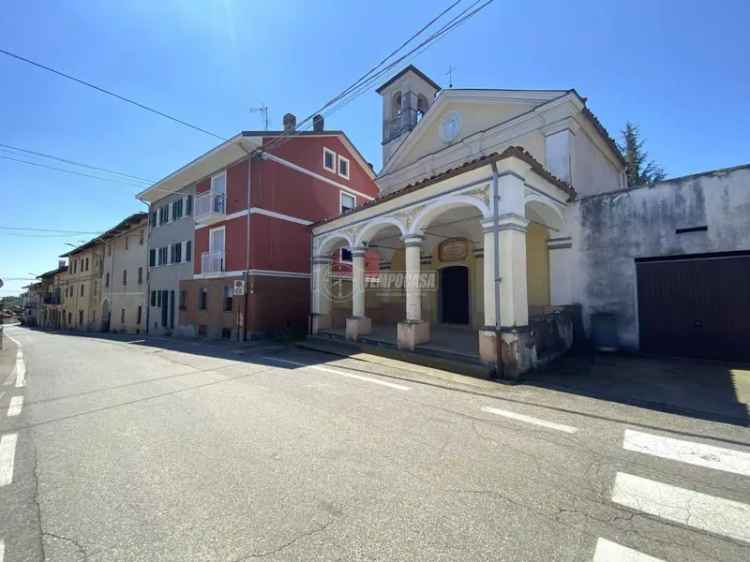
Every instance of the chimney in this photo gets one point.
(318, 123)
(290, 123)
(61, 264)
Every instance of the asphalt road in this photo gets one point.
(149, 451)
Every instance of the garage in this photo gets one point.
(695, 305)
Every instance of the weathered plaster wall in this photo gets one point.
(537, 265)
(610, 231)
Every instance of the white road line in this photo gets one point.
(2, 550)
(15, 341)
(341, 373)
(7, 457)
(700, 511)
(699, 454)
(531, 420)
(608, 551)
(19, 354)
(20, 373)
(15, 407)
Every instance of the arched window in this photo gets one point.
(396, 105)
(422, 106)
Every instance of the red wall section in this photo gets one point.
(235, 232)
(279, 245)
(237, 187)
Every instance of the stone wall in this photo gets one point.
(610, 231)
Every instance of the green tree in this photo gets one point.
(641, 170)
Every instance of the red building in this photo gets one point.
(255, 197)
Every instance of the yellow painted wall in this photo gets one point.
(537, 265)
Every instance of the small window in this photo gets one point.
(82, 290)
(126, 242)
(122, 316)
(329, 160)
(140, 276)
(140, 238)
(189, 205)
(348, 202)
(346, 255)
(153, 298)
(152, 219)
(109, 249)
(183, 300)
(188, 250)
(152, 258)
(343, 167)
(87, 264)
(140, 315)
(124, 277)
(106, 280)
(177, 209)
(227, 298)
(202, 298)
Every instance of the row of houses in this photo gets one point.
(500, 229)
(224, 248)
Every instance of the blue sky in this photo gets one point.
(680, 69)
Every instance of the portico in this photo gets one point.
(456, 250)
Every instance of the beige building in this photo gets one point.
(122, 304)
(472, 224)
(81, 287)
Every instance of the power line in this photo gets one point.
(40, 165)
(356, 89)
(75, 163)
(111, 93)
(60, 231)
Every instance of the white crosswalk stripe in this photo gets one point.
(688, 452)
(530, 419)
(608, 551)
(694, 509)
(7, 457)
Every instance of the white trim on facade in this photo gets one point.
(256, 272)
(280, 216)
(314, 175)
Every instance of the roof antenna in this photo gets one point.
(263, 110)
(449, 74)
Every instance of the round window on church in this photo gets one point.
(450, 127)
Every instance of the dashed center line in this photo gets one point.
(531, 420)
(340, 373)
(694, 509)
(608, 551)
(2, 550)
(15, 407)
(7, 457)
(20, 373)
(699, 454)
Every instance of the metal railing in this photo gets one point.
(212, 262)
(209, 205)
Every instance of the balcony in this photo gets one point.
(212, 262)
(210, 207)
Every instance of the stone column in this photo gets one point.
(358, 324)
(413, 331)
(488, 332)
(321, 294)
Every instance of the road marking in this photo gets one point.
(15, 407)
(20, 373)
(7, 457)
(608, 551)
(701, 511)
(19, 354)
(2, 550)
(688, 452)
(342, 373)
(529, 419)
(15, 341)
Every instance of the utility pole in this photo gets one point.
(263, 110)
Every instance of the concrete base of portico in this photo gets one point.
(517, 352)
(488, 347)
(319, 322)
(410, 334)
(358, 326)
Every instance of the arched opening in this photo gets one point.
(422, 106)
(544, 221)
(336, 283)
(396, 104)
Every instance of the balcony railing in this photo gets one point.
(212, 262)
(209, 206)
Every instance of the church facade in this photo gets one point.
(473, 222)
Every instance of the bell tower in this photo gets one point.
(406, 98)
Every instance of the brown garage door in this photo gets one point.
(695, 306)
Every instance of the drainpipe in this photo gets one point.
(496, 250)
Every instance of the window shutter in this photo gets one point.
(189, 205)
(189, 250)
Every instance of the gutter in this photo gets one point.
(496, 239)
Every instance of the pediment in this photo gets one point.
(458, 114)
